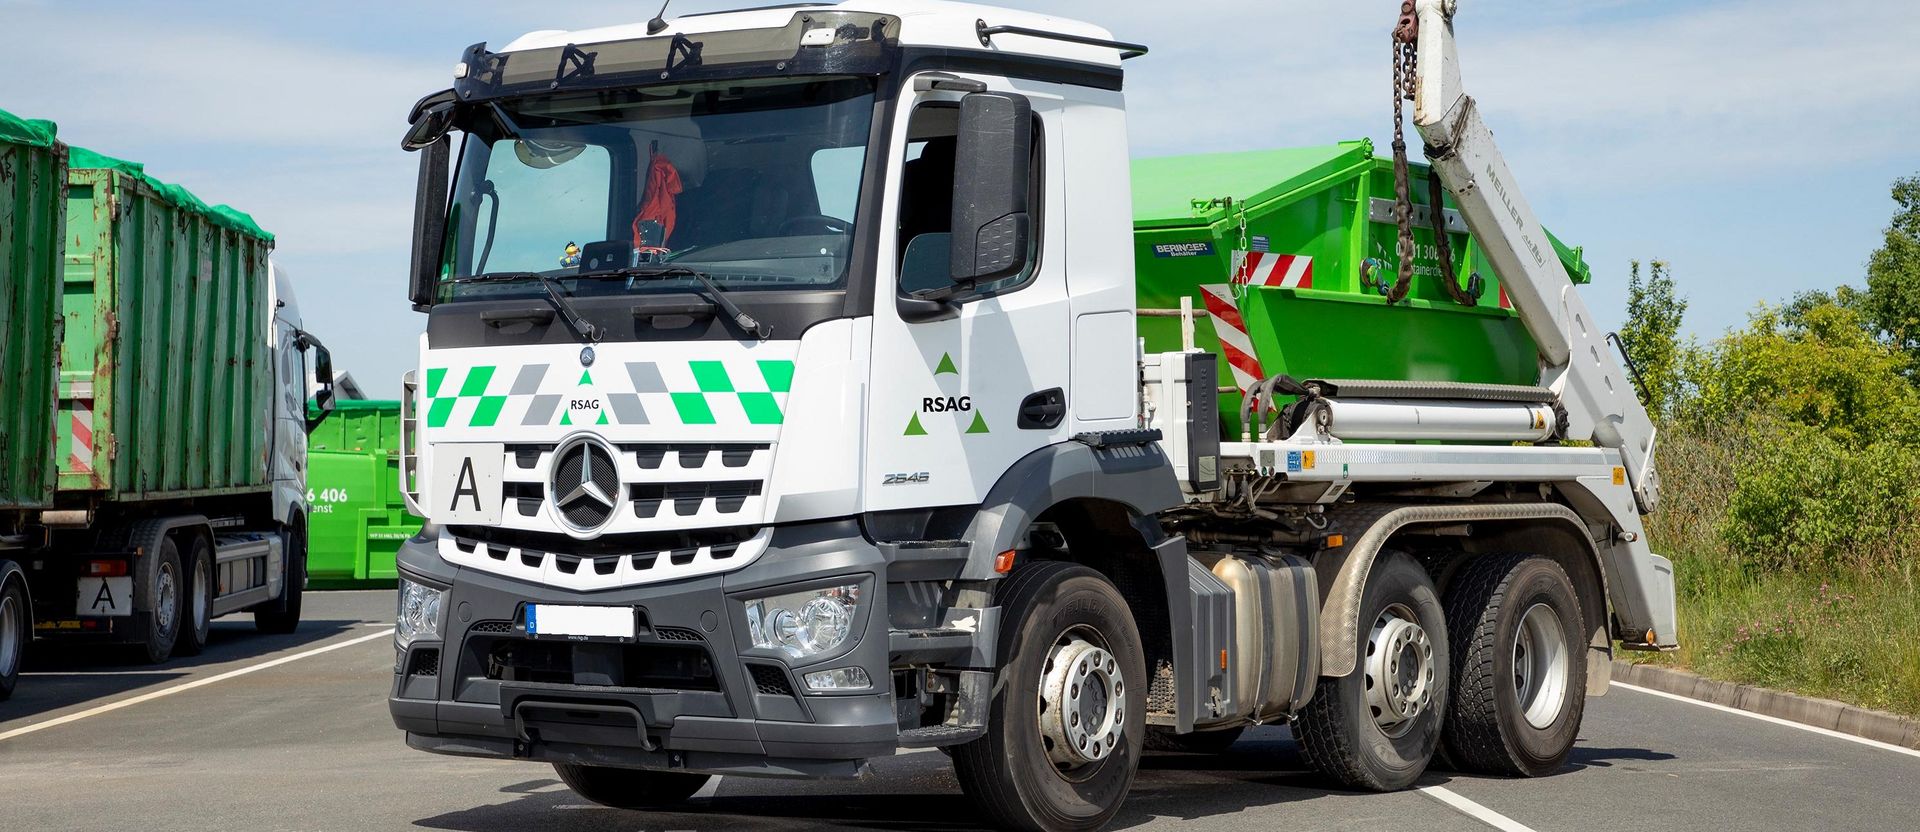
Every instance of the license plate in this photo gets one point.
(104, 597)
(580, 623)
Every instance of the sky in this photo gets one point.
(1750, 143)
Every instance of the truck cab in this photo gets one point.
(780, 405)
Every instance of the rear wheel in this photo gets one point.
(166, 595)
(283, 615)
(197, 613)
(629, 788)
(1377, 727)
(16, 627)
(1521, 679)
(1069, 712)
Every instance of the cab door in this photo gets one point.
(947, 391)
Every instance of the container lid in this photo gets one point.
(1166, 188)
(221, 215)
(28, 131)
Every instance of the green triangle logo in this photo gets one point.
(586, 376)
(914, 428)
(603, 418)
(946, 366)
(565, 418)
(979, 424)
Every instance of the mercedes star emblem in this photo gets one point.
(586, 356)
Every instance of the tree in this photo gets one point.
(1893, 275)
(1651, 337)
(1820, 368)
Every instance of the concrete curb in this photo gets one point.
(1892, 729)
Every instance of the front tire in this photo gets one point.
(1068, 716)
(16, 629)
(283, 616)
(197, 613)
(1520, 685)
(630, 788)
(166, 595)
(1377, 727)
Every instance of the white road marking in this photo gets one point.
(189, 685)
(1814, 729)
(1474, 810)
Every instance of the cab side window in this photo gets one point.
(926, 203)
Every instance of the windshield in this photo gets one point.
(754, 183)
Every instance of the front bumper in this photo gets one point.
(691, 693)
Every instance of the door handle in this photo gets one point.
(1043, 410)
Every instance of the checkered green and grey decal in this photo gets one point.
(707, 393)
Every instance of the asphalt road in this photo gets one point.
(291, 733)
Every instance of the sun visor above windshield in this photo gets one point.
(863, 43)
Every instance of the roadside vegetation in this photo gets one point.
(1790, 461)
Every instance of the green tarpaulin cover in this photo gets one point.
(33, 131)
(221, 215)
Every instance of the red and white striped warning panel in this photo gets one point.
(1235, 345)
(1504, 302)
(1260, 268)
(80, 456)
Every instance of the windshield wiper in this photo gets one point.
(713, 291)
(579, 322)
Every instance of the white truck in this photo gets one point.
(684, 283)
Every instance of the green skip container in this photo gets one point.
(33, 176)
(1308, 218)
(359, 518)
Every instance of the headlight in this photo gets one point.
(803, 624)
(419, 614)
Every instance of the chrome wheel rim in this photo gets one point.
(1083, 699)
(1540, 665)
(166, 601)
(12, 634)
(1399, 670)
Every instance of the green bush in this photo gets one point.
(1804, 501)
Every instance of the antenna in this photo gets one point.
(659, 22)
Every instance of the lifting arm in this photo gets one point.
(1575, 361)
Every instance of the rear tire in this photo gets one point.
(1198, 742)
(16, 629)
(1068, 643)
(1520, 684)
(1345, 730)
(197, 613)
(283, 616)
(166, 598)
(630, 788)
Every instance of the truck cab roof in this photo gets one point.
(924, 23)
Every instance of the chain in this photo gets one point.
(1406, 37)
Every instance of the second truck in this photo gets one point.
(783, 402)
(153, 409)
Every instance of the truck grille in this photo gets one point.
(660, 487)
(608, 562)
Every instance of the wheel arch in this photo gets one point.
(1548, 529)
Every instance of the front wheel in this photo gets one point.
(1069, 712)
(1521, 680)
(629, 788)
(283, 615)
(1377, 727)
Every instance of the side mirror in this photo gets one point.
(429, 222)
(431, 120)
(993, 168)
(323, 397)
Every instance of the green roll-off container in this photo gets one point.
(33, 176)
(1330, 207)
(359, 518)
(165, 376)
